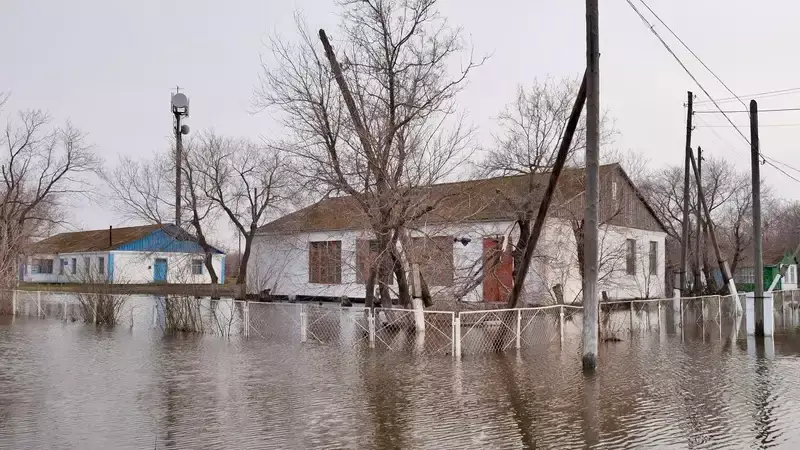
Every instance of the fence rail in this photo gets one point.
(393, 329)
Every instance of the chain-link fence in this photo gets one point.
(419, 332)
(400, 330)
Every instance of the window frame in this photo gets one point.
(199, 264)
(630, 256)
(101, 265)
(74, 268)
(325, 262)
(653, 257)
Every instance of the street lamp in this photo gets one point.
(180, 109)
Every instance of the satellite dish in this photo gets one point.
(179, 100)
(184, 129)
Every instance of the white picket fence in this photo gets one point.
(392, 329)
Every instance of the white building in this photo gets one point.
(143, 254)
(325, 250)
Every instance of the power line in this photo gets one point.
(688, 72)
(693, 54)
(738, 111)
(759, 125)
(768, 94)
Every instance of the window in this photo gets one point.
(74, 266)
(87, 264)
(745, 275)
(435, 258)
(791, 275)
(42, 266)
(325, 262)
(367, 254)
(630, 256)
(61, 264)
(653, 258)
(197, 267)
(101, 265)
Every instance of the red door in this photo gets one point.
(499, 273)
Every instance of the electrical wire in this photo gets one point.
(693, 54)
(696, 81)
(768, 94)
(759, 111)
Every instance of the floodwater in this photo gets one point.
(74, 386)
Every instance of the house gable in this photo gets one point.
(160, 241)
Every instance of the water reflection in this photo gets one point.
(76, 386)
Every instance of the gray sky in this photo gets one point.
(109, 66)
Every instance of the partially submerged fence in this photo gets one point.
(392, 329)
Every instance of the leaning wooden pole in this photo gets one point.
(686, 177)
(590, 222)
(758, 254)
(712, 233)
(541, 214)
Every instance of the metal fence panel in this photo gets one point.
(275, 322)
(397, 330)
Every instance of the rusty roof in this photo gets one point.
(92, 240)
(464, 201)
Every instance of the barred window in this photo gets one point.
(630, 257)
(197, 267)
(653, 258)
(325, 262)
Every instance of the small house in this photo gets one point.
(326, 250)
(744, 277)
(141, 254)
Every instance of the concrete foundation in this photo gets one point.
(750, 314)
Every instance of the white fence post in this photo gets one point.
(371, 326)
(246, 314)
(631, 317)
(457, 336)
(39, 304)
(14, 302)
(65, 309)
(561, 324)
(519, 327)
(659, 315)
(303, 323)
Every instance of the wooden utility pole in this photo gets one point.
(685, 225)
(544, 206)
(712, 233)
(590, 230)
(697, 237)
(758, 257)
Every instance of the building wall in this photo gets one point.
(124, 267)
(279, 262)
(137, 267)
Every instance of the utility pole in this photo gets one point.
(723, 265)
(758, 257)
(590, 230)
(180, 109)
(685, 227)
(697, 259)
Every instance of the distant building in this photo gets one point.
(326, 250)
(142, 254)
(773, 264)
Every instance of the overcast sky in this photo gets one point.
(109, 67)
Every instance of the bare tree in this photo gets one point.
(246, 181)
(42, 169)
(380, 124)
(144, 190)
(728, 196)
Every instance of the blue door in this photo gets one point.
(160, 270)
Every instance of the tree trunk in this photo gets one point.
(369, 295)
(248, 245)
(402, 280)
(519, 250)
(207, 249)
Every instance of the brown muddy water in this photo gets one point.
(74, 386)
